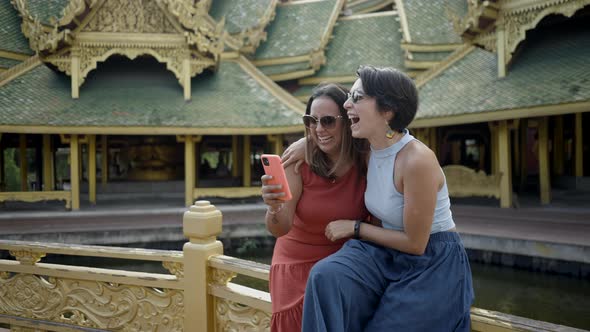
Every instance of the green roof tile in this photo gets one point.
(371, 40)
(44, 10)
(239, 14)
(7, 63)
(366, 6)
(140, 95)
(549, 71)
(296, 30)
(430, 22)
(430, 56)
(11, 37)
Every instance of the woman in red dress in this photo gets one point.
(330, 185)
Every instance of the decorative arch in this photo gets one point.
(518, 22)
(90, 57)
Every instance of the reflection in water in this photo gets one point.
(541, 296)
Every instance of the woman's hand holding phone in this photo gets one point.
(275, 188)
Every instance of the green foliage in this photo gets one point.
(247, 246)
(11, 170)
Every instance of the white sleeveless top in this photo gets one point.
(386, 203)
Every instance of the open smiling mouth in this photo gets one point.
(353, 119)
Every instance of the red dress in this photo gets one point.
(296, 252)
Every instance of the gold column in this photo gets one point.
(558, 146)
(494, 143)
(246, 174)
(2, 173)
(48, 167)
(104, 169)
(22, 145)
(75, 70)
(74, 171)
(189, 170)
(81, 140)
(544, 179)
(197, 162)
(579, 161)
(524, 128)
(277, 143)
(186, 78)
(92, 169)
(504, 164)
(234, 156)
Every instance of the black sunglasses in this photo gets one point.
(327, 122)
(355, 96)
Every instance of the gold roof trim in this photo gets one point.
(126, 130)
(460, 53)
(248, 40)
(403, 20)
(270, 85)
(316, 57)
(14, 55)
(507, 114)
(19, 69)
(330, 79)
(361, 16)
(430, 47)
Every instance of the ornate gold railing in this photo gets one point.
(195, 295)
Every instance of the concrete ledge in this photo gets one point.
(566, 252)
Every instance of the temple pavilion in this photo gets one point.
(124, 97)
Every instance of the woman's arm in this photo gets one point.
(279, 215)
(420, 181)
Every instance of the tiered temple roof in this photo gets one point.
(456, 62)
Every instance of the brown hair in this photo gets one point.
(351, 149)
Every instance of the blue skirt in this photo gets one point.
(367, 287)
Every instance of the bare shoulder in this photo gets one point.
(418, 157)
(417, 152)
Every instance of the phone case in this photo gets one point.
(272, 166)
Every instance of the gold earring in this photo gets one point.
(390, 133)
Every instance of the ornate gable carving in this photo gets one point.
(179, 33)
(144, 16)
(501, 25)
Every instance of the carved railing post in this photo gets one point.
(201, 224)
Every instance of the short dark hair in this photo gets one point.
(351, 149)
(393, 91)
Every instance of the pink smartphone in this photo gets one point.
(272, 166)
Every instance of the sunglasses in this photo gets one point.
(355, 96)
(327, 122)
